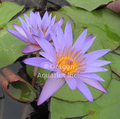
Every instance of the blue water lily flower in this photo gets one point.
(69, 63)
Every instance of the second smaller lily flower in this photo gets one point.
(70, 63)
(35, 26)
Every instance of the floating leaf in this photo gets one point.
(10, 46)
(7, 11)
(16, 87)
(88, 4)
(117, 50)
(105, 107)
(114, 76)
(103, 23)
(60, 15)
(115, 59)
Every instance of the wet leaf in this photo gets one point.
(89, 5)
(117, 50)
(22, 91)
(60, 15)
(101, 23)
(105, 107)
(114, 76)
(17, 88)
(98, 23)
(10, 46)
(115, 61)
(7, 11)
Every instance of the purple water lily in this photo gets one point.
(37, 26)
(69, 63)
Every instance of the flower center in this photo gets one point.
(44, 32)
(68, 63)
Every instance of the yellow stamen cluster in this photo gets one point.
(68, 63)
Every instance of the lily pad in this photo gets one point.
(10, 46)
(17, 87)
(7, 11)
(105, 107)
(65, 93)
(115, 59)
(60, 15)
(22, 91)
(103, 23)
(89, 4)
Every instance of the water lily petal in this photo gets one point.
(31, 48)
(51, 86)
(56, 44)
(68, 35)
(33, 20)
(60, 38)
(87, 45)
(27, 30)
(95, 54)
(71, 82)
(44, 19)
(94, 83)
(20, 30)
(40, 62)
(38, 19)
(90, 69)
(84, 90)
(88, 38)
(46, 46)
(48, 56)
(59, 22)
(90, 76)
(27, 20)
(81, 39)
(97, 63)
(18, 35)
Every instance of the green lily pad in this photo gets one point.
(88, 4)
(42, 74)
(22, 91)
(60, 15)
(103, 23)
(117, 50)
(105, 107)
(65, 93)
(10, 46)
(7, 11)
(115, 61)
(114, 76)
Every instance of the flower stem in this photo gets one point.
(35, 71)
(115, 72)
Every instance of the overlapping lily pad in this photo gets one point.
(115, 61)
(60, 15)
(7, 11)
(89, 4)
(105, 107)
(10, 46)
(103, 23)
